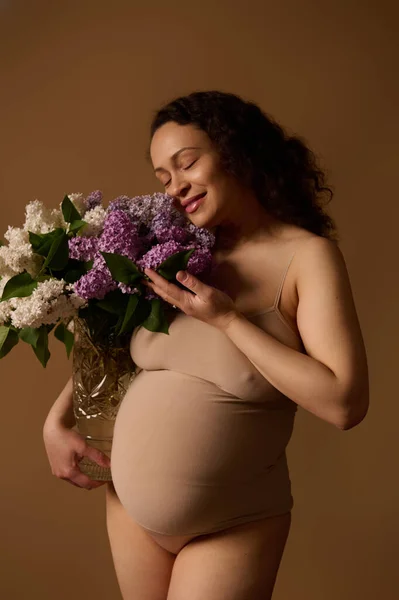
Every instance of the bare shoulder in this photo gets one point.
(319, 258)
(323, 285)
(312, 247)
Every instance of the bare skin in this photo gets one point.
(240, 562)
(252, 248)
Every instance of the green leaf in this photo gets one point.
(128, 320)
(73, 271)
(69, 210)
(1, 243)
(58, 255)
(114, 302)
(88, 265)
(173, 264)
(19, 286)
(42, 242)
(142, 311)
(41, 278)
(41, 349)
(73, 275)
(30, 335)
(156, 321)
(64, 335)
(36, 241)
(8, 339)
(77, 225)
(122, 268)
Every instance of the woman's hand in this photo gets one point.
(203, 302)
(65, 448)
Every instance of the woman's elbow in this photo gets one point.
(354, 411)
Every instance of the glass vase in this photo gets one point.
(102, 373)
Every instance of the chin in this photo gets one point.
(201, 221)
(203, 218)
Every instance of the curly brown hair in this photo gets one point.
(254, 148)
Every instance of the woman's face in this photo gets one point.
(187, 165)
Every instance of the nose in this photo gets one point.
(178, 188)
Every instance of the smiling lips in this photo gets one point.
(192, 205)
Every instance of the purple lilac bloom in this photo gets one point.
(97, 282)
(93, 199)
(150, 295)
(146, 208)
(120, 203)
(158, 212)
(82, 248)
(142, 209)
(203, 237)
(167, 227)
(161, 220)
(169, 214)
(127, 289)
(173, 232)
(120, 235)
(200, 261)
(154, 257)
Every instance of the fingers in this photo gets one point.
(84, 481)
(79, 479)
(66, 448)
(162, 293)
(165, 289)
(96, 456)
(75, 476)
(192, 283)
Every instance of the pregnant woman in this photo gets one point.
(200, 504)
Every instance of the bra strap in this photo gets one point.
(280, 288)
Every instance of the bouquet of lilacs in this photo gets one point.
(86, 260)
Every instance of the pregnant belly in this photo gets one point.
(187, 456)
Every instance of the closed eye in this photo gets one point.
(184, 169)
(190, 165)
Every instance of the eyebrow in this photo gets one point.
(176, 154)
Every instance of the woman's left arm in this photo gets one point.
(331, 381)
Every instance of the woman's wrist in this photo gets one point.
(57, 421)
(226, 322)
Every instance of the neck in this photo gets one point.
(241, 229)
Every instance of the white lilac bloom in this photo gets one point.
(5, 312)
(5, 270)
(18, 255)
(94, 218)
(78, 201)
(40, 219)
(47, 304)
(5, 307)
(76, 301)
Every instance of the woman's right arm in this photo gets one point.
(61, 413)
(65, 447)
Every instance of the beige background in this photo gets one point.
(79, 82)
